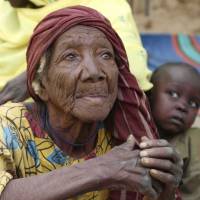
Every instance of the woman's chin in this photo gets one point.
(90, 112)
(91, 116)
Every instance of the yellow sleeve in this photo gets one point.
(7, 146)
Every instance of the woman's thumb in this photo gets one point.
(130, 142)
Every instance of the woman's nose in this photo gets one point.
(92, 71)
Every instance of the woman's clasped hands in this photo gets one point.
(155, 170)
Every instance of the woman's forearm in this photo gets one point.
(58, 184)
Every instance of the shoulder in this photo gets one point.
(193, 136)
(188, 143)
(193, 144)
(193, 132)
(12, 111)
(13, 122)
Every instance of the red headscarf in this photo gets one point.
(132, 111)
(131, 114)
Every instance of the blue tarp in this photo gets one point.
(162, 48)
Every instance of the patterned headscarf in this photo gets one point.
(131, 110)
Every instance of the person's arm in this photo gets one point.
(18, 3)
(117, 169)
(58, 184)
(15, 90)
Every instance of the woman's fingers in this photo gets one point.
(122, 167)
(161, 152)
(163, 160)
(142, 184)
(149, 143)
(164, 165)
(166, 178)
(159, 149)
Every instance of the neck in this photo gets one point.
(71, 134)
(167, 135)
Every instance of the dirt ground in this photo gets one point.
(172, 16)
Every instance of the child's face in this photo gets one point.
(175, 101)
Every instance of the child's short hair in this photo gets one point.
(161, 70)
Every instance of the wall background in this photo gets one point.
(172, 16)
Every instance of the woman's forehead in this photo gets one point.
(83, 34)
(84, 29)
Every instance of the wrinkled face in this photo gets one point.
(82, 77)
(175, 101)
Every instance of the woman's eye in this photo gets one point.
(173, 94)
(70, 56)
(194, 104)
(107, 55)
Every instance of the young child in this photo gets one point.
(175, 100)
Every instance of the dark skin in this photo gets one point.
(15, 90)
(175, 100)
(20, 3)
(84, 75)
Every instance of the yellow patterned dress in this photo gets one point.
(23, 153)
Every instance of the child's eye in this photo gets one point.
(194, 104)
(174, 94)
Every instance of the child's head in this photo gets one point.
(175, 97)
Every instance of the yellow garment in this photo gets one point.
(23, 153)
(17, 26)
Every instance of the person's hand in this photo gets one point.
(164, 162)
(122, 170)
(15, 90)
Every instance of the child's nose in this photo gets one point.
(182, 105)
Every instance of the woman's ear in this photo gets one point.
(39, 87)
(43, 94)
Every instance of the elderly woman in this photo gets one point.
(64, 145)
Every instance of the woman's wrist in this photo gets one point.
(168, 194)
